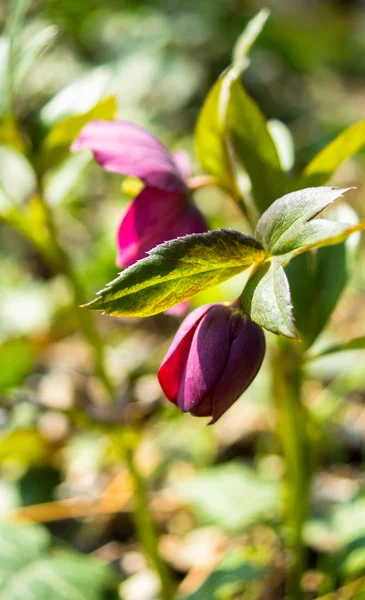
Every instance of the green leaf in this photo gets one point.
(247, 39)
(233, 573)
(56, 144)
(286, 228)
(27, 570)
(177, 270)
(211, 140)
(318, 278)
(325, 163)
(266, 299)
(354, 344)
(14, 23)
(16, 359)
(253, 149)
(231, 496)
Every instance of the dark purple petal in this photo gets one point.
(173, 364)
(208, 354)
(125, 148)
(155, 216)
(246, 354)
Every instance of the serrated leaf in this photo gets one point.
(266, 299)
(318, 278)
(177, 270)
(327, 161)
(212, 127)
(286, 228)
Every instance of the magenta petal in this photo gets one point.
(183, 163)
(245, 358)
(126, 148)
(155, 216)
(178, 310)
(207, 357)
(173, 364)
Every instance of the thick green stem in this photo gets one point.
(292, 429)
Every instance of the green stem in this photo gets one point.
(292, 426)
(143, 521)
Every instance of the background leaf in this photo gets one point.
(27, 570)
(56, 145)
(16, 359)
(266, 299)
(214, 120)
(318, 278)
(326, 162)
(254, 150)
(176, 271)
(232, 496)
(233, 574)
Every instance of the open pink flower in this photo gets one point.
(214, 356)
(163, 210)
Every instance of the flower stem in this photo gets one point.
(292, 429)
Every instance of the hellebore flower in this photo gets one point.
(163, 210)
(215, 355)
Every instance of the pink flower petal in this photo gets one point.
(178, 310)
(126, 148)
(183, 163)
(155, 216)
(173, 364)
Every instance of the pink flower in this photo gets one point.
(163, 210)
(214, 357)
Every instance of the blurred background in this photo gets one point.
(214, 492)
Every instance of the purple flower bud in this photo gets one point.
(215, 355)
(163, 210)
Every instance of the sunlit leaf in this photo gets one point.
(231, 496)
(13, 26)
(177, 270)
(253, 149)
(284, 143)
(16, 360)
(287, 228)
(29, 570)
(318, 278)
(56, 144)
(357, 343)
(266, 299)
(327, 161)
(233, 573)
(215, 120)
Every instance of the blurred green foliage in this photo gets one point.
(58, 444)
